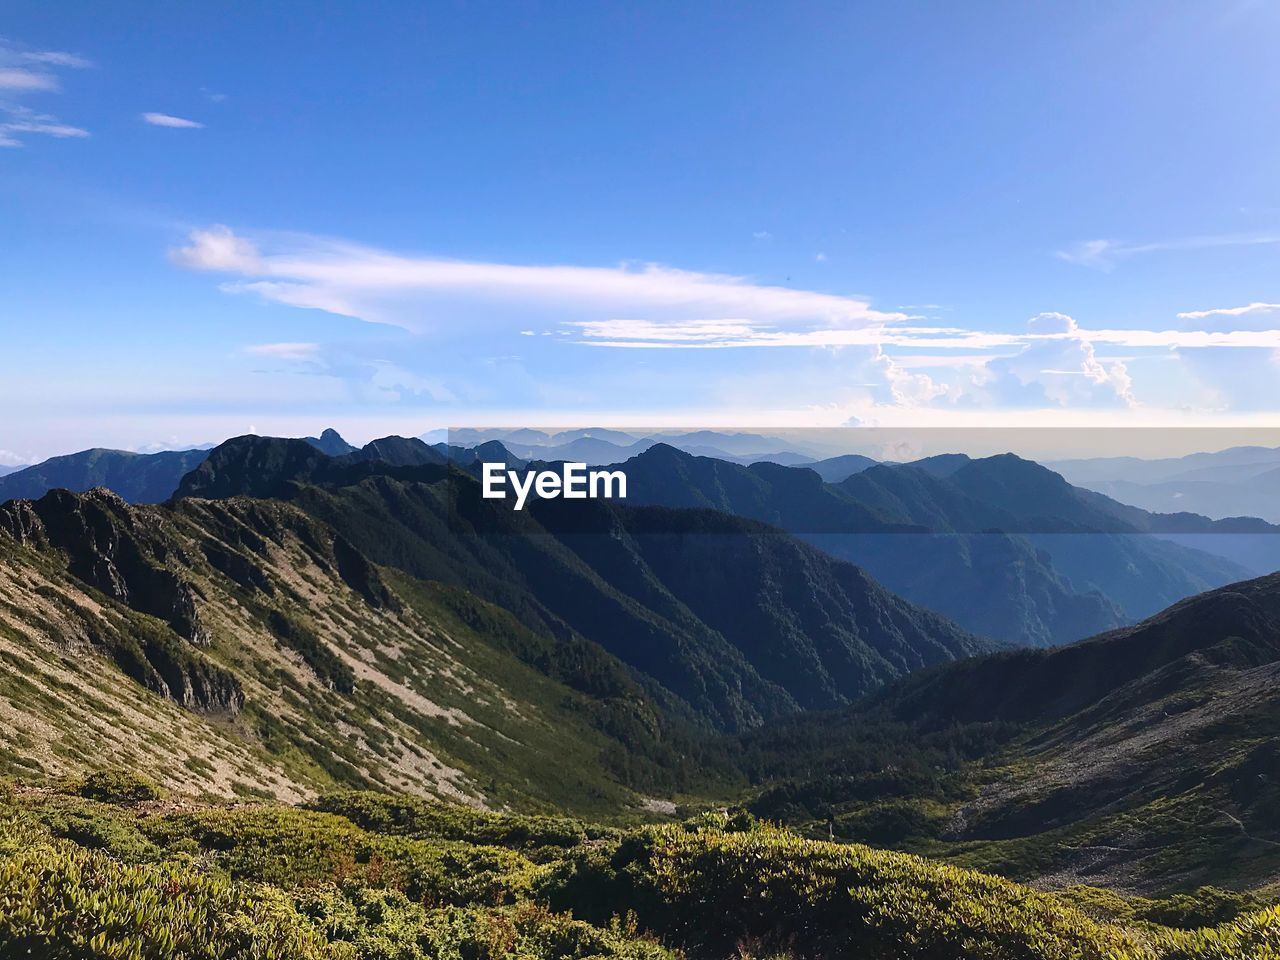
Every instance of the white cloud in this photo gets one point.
(820, 257)
(285, 351)
(20, 78)
(1057, 368)
(1052, 362)
(434, 294)
(57, 58)
(1229, 311)
(25, 73)
(220, 250)
(167, 120)
(723, 334)
(24, 121)
(1106, 254)
(762, 235)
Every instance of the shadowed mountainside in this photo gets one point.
(1142, 758)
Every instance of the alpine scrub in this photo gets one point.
(395, 878)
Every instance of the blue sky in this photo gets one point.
(389, 217)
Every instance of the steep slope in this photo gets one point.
(138, 477)
(1139, 574)
(607, 574)
(1144, 758)
(241, 647)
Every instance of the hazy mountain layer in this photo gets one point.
(137, 477)
(1002, 546)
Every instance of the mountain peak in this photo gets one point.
(332, 443)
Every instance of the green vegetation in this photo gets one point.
(118, 786)
(386, 877)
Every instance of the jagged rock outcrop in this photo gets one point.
(119, 550)
(108, 548)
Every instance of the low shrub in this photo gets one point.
(58, 900)
(118, 786)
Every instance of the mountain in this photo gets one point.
(1255, 494)
(399, 452)
(6, 469)
(786, 458)
(737, 444)
(1218, 465)
(1240, 481)
(331, 442)
(153, 477)
(1144, 757)
(660, 590)
(277, 661)
(138, 477)
(590, 450)
(835, 469)
(950, 544)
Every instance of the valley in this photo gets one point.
(601, 677)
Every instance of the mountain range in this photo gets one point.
(1144, 757)
(1013, 551)
(1236, 482)
(294, 622)
(1001, 545)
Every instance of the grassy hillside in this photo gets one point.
(110, 868)
(1144, 759)
(241, 648)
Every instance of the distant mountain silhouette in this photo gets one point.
(331, 442)
(835, 469)
(137, 477)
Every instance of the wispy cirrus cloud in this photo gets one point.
(432, 294)
(21, 78)
(168, 120)
(25, 73)
(1107, 254)
(285, 351)
(1248, 308)
(722, 334)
